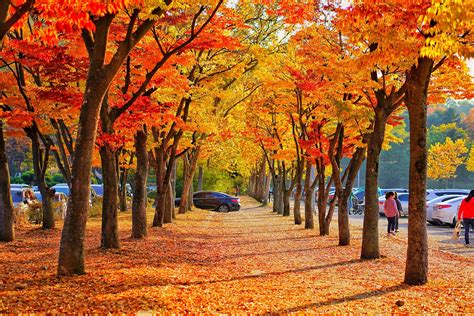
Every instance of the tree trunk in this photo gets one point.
(169, 204)
(418, 78)
(299, 189)
(173, 190)
(109, 236)
(370, 235)
(343, 220)
(308, 199)
(7, 231)
(187, 183)
(139, 201)
(286, 203)
(123, 190)
(200, 178)
(40, 165)
(268, 180)
(160, 166)
(277, 194)
(322, 199)
(329, 216)
(71, 250)
(260, 181)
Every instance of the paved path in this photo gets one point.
(439, 237)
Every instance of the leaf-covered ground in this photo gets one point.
(252, 261)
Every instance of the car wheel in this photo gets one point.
(453, 224)
(223, 208)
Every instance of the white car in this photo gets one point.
(446, 212)
(403, 197)
(432, 194)
(439, 199)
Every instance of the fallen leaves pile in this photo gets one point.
(252, 261)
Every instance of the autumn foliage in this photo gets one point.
(278, 93)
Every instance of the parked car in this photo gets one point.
(403, 197)
(446, 212)
(64, 188)
(98, 189)
(218, 201)
(19, 195)
(25, 203)
(431, 194)
(398, 190)
(431, 203)
(59, 203)
(19, 186)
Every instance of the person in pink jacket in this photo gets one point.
(391, 211)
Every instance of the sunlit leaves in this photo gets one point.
(444, 158)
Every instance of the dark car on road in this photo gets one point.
(218, 201)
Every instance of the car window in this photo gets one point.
(61, 189)
(98, 189)
(199, 195)
(218, 195)
(447, 198)
(360, 195)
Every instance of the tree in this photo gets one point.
(7, 21)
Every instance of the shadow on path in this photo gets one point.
(355, 297)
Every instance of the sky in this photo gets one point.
(470, 63)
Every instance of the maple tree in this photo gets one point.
(9, 16)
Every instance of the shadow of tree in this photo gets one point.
(355, 297)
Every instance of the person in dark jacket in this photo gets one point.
(466, 213)
(400, 210)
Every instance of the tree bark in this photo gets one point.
(299, 189)
(277, 194)
(139, 201)
(370, 234)
(123, 190)
(7, 231)
(40, 165)
(308, 198)
(200, 178)
(109, 235)
(322, 199)
(190, 163)
(160, 170)
(169, 204)
(268, 181)
(418, 78)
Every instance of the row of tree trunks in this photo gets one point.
(259, 183)
(139, 200)
(7, 231)
(190, 160)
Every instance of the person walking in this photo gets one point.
(466, 213)
(400, 210)
(391, 211)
